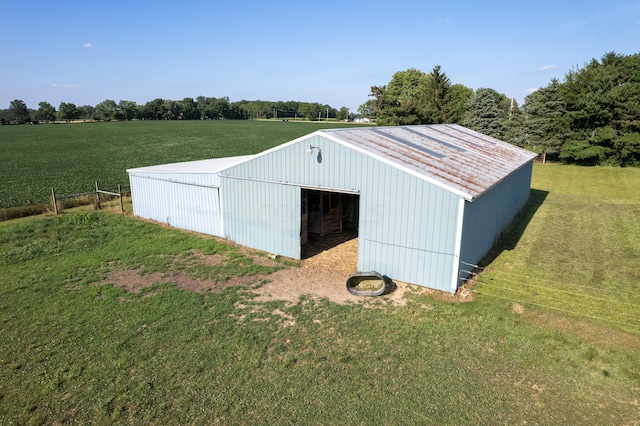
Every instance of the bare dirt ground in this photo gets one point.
(322, 275)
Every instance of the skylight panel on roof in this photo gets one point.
(475, 135)
(431, 138)
(435, 129)
(406, 142)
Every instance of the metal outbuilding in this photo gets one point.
(425, 200)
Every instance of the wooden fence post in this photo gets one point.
(97, 197)
(55, 203)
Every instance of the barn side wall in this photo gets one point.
(486, 217)
(187, 201)
(407, 226)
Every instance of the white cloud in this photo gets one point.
(87, 45)
(547, 68)
(533, 89)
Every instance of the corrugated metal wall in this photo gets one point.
(407, 226)
(262, 215)
(409, 229)
(187, 201)
(488, 215)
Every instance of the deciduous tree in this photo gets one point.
(18, 112)
(106, 110)
(402, 101)
(457, 97)
(46, 112)
(68, 111)
(128, 110)
(366, 109)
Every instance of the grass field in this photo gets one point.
(553, 336)
(72, 157)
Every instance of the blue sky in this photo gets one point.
(326, 52)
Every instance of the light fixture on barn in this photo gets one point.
(310, 149)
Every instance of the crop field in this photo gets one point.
(72, 157)
(552, 336)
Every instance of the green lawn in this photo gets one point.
(72, 157)
(581, 252)
(75, 350)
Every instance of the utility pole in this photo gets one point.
(327, 114)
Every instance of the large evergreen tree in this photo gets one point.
(514, 125)
(435, 98)
(603, 111)
(483, 115)
(546, 118)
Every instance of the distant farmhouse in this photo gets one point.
(361, 119)
(425, 201)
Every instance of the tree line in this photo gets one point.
(200, 108)
(591, 117)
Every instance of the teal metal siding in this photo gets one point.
(487, 216)
(409, 234)
(407, 226)
(431, 197)
(264, 216)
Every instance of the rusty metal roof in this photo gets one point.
(453, 156)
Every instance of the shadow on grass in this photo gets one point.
(509, 238)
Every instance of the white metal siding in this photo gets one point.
(192, 205)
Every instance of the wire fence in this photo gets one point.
(604, 305)
(97, 197)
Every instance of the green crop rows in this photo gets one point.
(72, 157)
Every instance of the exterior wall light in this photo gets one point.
(310, 149)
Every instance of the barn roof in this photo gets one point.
(450, 155)
(212, 165)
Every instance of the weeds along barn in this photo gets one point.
(423, 200)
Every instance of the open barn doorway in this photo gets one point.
(327, 219)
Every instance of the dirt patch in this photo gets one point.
(134, 282)
(321, 276)
(325, 274)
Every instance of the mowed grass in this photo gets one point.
(71, 157)
(75, 349)
(580, 253)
